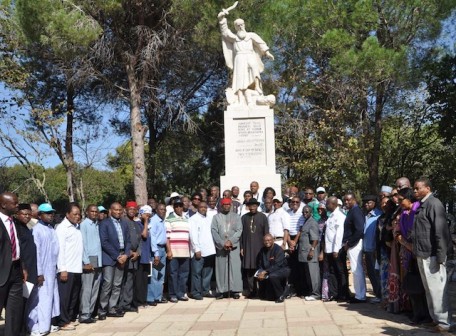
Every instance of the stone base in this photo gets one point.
(250, 149)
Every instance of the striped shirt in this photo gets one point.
(295, 223)
(177, 231)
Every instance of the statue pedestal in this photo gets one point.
(250, 149)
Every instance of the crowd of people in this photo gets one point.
(118, 260)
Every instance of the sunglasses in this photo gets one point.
(294, 202)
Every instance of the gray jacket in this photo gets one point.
(430, 233)
(309, 232)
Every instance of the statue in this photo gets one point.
(243, 51)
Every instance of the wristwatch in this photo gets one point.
(312, 248)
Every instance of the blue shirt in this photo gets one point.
(370, 228)
(145, 248)
(157, 231)
(90, 241)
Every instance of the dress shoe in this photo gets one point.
(208, 295)
(163, 300)
(197, 297)
(115, 314)
(236, 296)
(355, 300)
(280, 299)
(131, 310)
(173, 300)
(87, 321)
(101, 317)
(183, 298)
(219, 296)
(152, 303)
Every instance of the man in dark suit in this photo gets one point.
(115, 245)
(431, 245)
(11, 275)
(353, 246)
(272, 271)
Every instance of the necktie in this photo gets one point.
(13, 239)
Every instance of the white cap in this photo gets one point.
(321, 189)
(145, 209)
(339, 202)
(174, 194)
(386, 189)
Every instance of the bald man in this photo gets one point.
(11, 275)
(402, 183)
(272, 271)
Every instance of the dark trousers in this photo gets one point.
(345, 292)
(179, 269)
(374, 276)
(202, 271)
(128, 288)
(11, 299)
(69, 297)
(293, 264)
(274, 286)
(249, 281)
(336, 279)
(141, 283)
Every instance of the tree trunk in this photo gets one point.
(374, 162)
(137, 137)
(152, 159)
(69, 163)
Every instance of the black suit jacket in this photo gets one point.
(5, 254)
(28, 252)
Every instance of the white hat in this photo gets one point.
(174, 194)
(321, 189)
(339, 202)
(386, 189)
(145, 209)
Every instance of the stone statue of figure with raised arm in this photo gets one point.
(243, 51)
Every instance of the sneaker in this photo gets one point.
(311, 298)
(54, 329)
(375, 300)
(37, 333)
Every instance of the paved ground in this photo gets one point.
(253, 317)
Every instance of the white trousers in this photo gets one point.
(435, 283)
(355, 255)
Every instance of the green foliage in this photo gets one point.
(62, 25)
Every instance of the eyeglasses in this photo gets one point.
(308, 193)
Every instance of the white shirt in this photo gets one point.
(6, 222)
(295, 225)
(201, 235)
(211, 213)
(334, 231)
(279, 220)
(71, 248)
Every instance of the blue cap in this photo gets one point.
(102, 209)
(45, 207)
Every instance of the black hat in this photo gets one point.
(277, 200)
(367, 198)
(178, 200)
(24, 206)
(252, 201)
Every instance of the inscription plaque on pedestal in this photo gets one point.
(250, 143)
